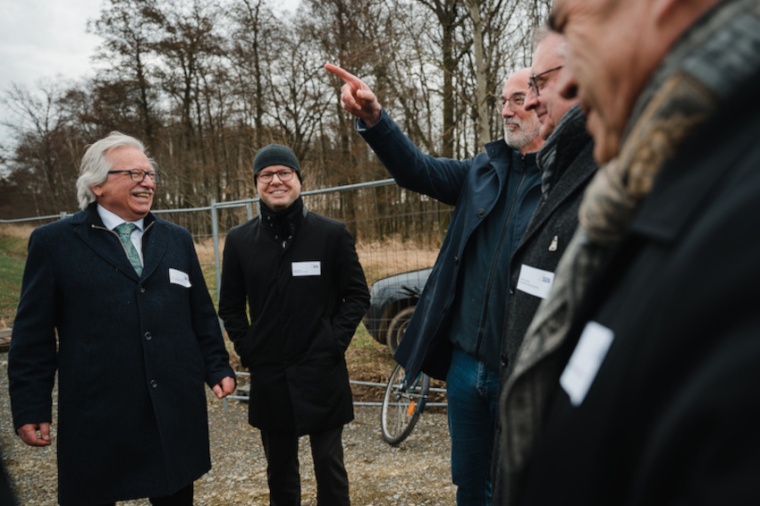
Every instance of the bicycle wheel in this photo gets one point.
(402, 406)
(397, 327)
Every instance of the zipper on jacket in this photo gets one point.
(492, 273)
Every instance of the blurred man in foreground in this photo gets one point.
(655, 374)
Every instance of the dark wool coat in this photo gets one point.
(671, 415)
(474, 186)
(543, 244)
(132, 354)
(552, 225)
(305, 300)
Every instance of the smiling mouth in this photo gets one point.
(143, 195)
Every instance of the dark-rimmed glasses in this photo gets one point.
(283, 175)
(516, 100)
(138, 175)
(537, 81)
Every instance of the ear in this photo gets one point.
(97, 190)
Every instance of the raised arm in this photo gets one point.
(356, 97)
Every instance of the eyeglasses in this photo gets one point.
(516, 100)
(283, 175)
(537, 81)
(138, 175)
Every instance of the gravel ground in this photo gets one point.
(414, 474)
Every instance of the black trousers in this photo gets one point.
(183, 497)
(283, 477)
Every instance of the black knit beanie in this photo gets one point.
(275, 154)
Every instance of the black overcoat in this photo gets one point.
(671, 410)
(132, 354)
(306, 300)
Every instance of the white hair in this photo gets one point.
(95, 165)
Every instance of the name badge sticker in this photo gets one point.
(535, 281)
(179, 278)
(585, 361)
(307, 269)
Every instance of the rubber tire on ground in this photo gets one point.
(401, 409)
(397, 327)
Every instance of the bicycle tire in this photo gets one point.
(402, 407)
(397, 327)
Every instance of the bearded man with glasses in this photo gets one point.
(455, 332)
(299, 276)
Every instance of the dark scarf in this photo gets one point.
(562, 147)
(284, 224)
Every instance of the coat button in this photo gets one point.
(148, 336)
(153, 383)
(481, 213)
(142, 289)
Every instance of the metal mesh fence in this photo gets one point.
(395, 229)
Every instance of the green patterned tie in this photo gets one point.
(125, 233)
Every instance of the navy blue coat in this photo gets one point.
(132, 355)
(474, 186)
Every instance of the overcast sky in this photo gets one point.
(48, 39)
(44, 39)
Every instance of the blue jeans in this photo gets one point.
(472, 390)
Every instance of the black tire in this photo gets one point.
(402, 407)
(397, 327)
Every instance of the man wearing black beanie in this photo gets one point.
(299, 275)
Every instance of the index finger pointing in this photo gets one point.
(345, 76)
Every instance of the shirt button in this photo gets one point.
(148, 336)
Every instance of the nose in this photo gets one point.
(506, 111)
(531, 100)
(148, 181)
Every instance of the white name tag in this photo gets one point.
(588, 356)
(307, 268)
(535, 281)
(179, 278)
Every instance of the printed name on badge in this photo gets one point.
(179, 278)
(307, 268)
(585, 361)
(535, 281)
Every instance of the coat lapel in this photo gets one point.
(574, 178)
(154, 245)
(90, 229)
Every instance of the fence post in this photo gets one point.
(215, 235)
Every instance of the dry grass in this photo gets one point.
(392, 256)
(17, 231)
(378, 258)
